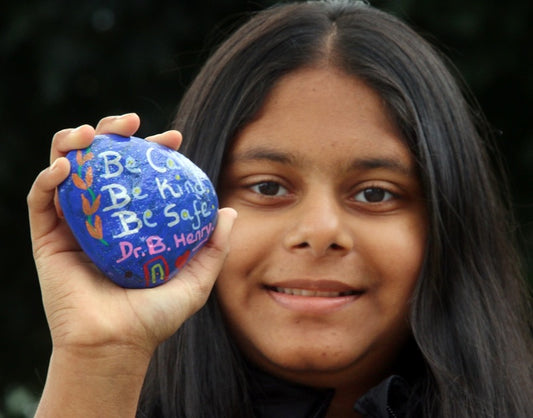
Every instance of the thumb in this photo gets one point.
(203, 269)
(185, 293)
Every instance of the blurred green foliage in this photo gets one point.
(68, 63)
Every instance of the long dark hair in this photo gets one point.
(470, 310)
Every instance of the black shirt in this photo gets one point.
(275, 398)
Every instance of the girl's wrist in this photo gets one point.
(104, 382)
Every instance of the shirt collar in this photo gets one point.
(274, 397)
(389, 399)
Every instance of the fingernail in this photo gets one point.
(232, 212)
(125, 115)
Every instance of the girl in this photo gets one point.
(370, 271)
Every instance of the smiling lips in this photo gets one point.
(313, 296)
(314, 293)
(314, 288)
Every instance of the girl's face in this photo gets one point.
(330, 236)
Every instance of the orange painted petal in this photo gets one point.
(92, 230)
(98, 225)
(90, 208)
(87, 157)
(79, 157)
(85, 205)
(96, 204)
(96, 230)
(78, 182)
(89, 176)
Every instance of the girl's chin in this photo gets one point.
(306, 367)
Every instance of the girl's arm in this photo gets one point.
(103, 336)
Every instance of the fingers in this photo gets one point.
(42, 211)
(171, 139)
(69, 139)
(125, 125)
(81, 137)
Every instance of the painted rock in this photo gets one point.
(138, 209)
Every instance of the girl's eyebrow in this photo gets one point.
(391, 164)
(360, 164)
(262, 153)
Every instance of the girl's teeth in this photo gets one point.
(315, 293)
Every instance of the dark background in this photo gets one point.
(67, 63)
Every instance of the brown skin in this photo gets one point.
(300, 176)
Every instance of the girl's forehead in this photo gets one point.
(317, 114)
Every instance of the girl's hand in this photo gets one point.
(87, 313)
(103, 335)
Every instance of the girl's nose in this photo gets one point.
(319, 227)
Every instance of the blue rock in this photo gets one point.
(138, 209)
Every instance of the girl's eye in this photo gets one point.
(269, 188)
(374, 195)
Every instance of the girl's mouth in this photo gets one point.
(308, 300)
(313, 293)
